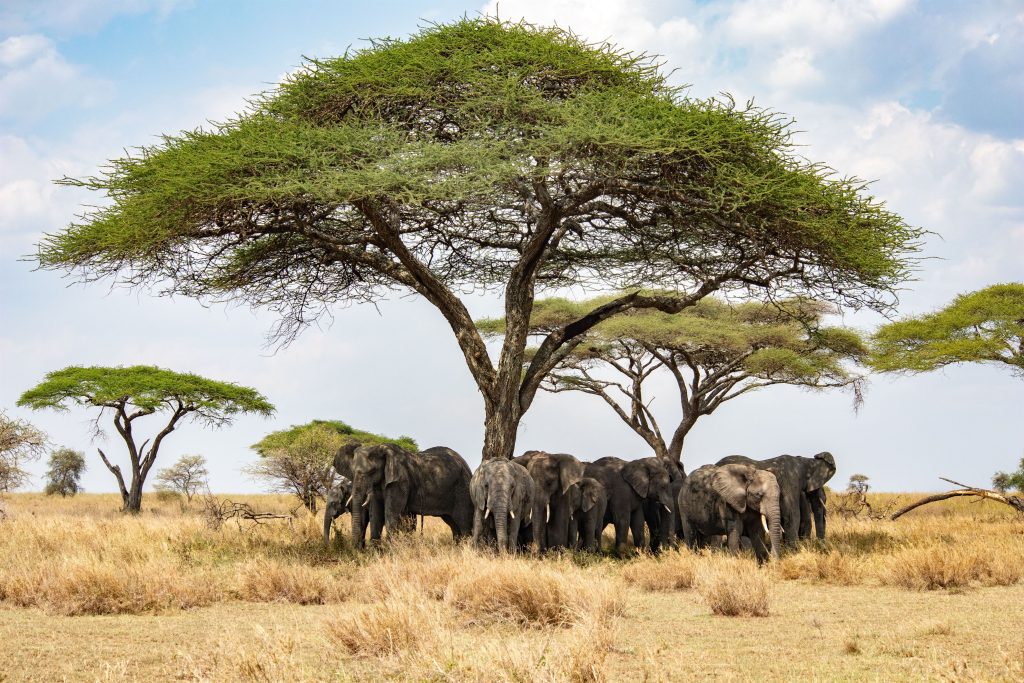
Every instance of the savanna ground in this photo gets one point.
(89, 594)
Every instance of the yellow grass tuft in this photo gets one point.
(957, 566)
(670, 571)
(397, 625)
(735, 587)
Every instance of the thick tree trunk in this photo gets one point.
(675, 447)
(133, 502)
(501, 422)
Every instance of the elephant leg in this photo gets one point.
(558, 529)
(376, 517)
(805, 516)
(757, 542)
(735, 530)
(539, 524)
(818, 510)
(688, 536)
(513, 533)
(450, 521)
(790, 519)
(636, 527)
(394, 506)
(621, 523)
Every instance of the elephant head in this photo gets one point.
(343, 459)
(373, 468)
(649, 478)
(337, 504)
(742, 487)
(592, 492)
(554, 473)
(819, 470)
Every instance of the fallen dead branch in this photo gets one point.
(216, 512)
(1016, 502)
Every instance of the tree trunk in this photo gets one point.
(675, 447)
(133, 502)
(501, 422)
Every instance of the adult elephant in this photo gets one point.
(797, 476)
(730, 500)
(552, 474)
(502, 493)
(631, 485)
(588, 501)
(432, 483)
(663, 519)
(373, 518)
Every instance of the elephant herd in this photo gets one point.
(554, 500)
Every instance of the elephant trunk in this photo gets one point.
(500, 512)
(328, 523)
(359, 498)
(773, 513)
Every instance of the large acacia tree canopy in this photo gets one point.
(433, 162)
(986, 326)
(285, 439)
(147, 390)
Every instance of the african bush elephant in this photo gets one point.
(797, 476)
(337, 504)
(588, 501)
(374, 519)
(553, 474)
(502, 493)
(432, 483)
(662, 518)
(631, 484)
(730, 499)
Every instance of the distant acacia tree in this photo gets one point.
(19, 442)
(714, 351)
(66, 466)
(486, 155)
(1009, 481)
(139, 391)
(986, 326)
(299, 459)
(187, 476)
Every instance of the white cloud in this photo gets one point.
(815, 22)
(35, 79)
(794, 68)
(75, 16)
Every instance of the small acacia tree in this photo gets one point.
(714, 351)
(136, 392)
(484, 155)
(19, 442)
(298, 460)
(65, 469)
(986, 326)
(1009, 481)
(187, 476)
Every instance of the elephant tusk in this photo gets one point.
(764, 523)
(487, 512)
(512, 513)
(348, 502)
(667, 508)
(366, 503)
(548, 510)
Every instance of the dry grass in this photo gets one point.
(275, 605)
(735, 587)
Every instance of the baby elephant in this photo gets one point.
(502, 493)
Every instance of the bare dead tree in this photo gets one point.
(1015, 502)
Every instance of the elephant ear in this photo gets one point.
(822, 467)
(395, 465)
(571, 471)
(636, 475)
(589, 495)
(730, 482)
(476, 489)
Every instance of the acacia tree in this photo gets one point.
(187, 476)
(485, 156)
(299, 459)
(19, 442)
(986, 326)
(139, 391)
(714, 351)
(65, 469)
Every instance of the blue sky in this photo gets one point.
(924, 98)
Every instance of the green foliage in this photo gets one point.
(288, 438)
(150, 389)
(859, 483)
(1009, 481)
(283, 206)
(986, 326)
(66, 466)
(19, 443)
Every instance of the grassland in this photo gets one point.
(89, 594)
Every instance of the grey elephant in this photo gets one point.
(373, 518)
(502, 493)
(432, 483)
(631, 485)
(730, 500)
(553, 474)
(588, 502)
(338, 503)
(797, 476)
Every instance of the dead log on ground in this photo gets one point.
(1016, 502)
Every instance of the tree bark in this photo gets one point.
(1016, 502)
